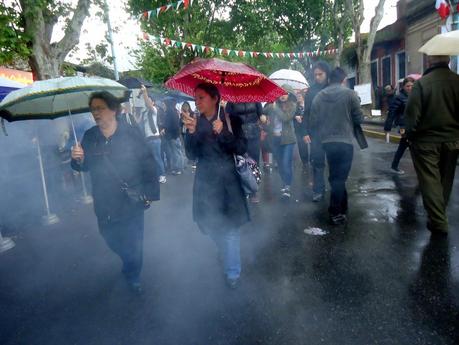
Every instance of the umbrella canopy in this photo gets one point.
(135, 83)
(52, 98)
(7, 85)
(294, 79)
(236, 82)
(442, 44)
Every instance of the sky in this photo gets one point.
(126, 39)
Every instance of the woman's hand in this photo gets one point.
(263, 119)
(78, 153)
(299, 119)
(217, 126)
(189, 122)
(307, 139)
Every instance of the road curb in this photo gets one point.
(381, 135)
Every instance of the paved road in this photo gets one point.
(381, 280)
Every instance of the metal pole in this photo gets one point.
(5, 243)
(112, 44)
(86, 199)
(49, 218)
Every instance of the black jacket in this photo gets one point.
(219, 202)
(171, 123)
(309, 97)
(249, 114)
(395, 117)
(129, 155)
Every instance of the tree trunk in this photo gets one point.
(47, 59)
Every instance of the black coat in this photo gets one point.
(396, 112)
(219, 202)
(129, 155)
(249, 114)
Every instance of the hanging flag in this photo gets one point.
(147, 15)
(443, 8)
(233, 52)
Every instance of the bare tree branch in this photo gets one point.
(72, 32)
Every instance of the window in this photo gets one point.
(374, 73)
(401, 66)
(386, 71)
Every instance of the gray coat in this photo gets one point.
(334, 113)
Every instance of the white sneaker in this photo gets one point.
(162, 179)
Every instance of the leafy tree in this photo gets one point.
(29, 28)
(355, 10)
(262, 25)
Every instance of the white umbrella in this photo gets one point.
(442, 44)
(290, 77)
(53, 98)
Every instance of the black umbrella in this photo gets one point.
(135, 83)
(179, 96)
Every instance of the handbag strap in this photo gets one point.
(114, 172)
(228, 123)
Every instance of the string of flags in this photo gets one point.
(234, 52)
(444, 8)
(147, 15)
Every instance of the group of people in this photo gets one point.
(115, 154)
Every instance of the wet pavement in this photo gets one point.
(380, 280)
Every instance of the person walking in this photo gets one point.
(298, 124)
(432, 127)
(171, 133)
(321, 72)
(219, 204)
(150, 124)
(117, 158)
(280, 118)
(396, 117)
(334, 113)
(249, 114)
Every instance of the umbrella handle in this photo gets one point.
(73, 126)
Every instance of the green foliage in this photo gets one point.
(14, 43)
(262, 25)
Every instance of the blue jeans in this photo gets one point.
(284, 157)
(229, 246)
(125, 238)
(174, 154)
(154, 145)
(318, 167)
(339, 157)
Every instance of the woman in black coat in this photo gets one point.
(116, 156)
(396, 117)
(219, 204)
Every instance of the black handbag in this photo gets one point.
(135, 194)
(360, 137)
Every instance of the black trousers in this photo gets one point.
(402, 146)
(125, 238)
(339, 158)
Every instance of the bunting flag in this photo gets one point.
(443, 8)
(147, 15)
(234, 52)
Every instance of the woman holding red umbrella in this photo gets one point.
(219, 204)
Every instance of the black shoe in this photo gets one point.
(397, 171)
(135, 287)
(317, 197)
(338, 219)
(232, 283)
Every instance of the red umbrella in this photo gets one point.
(237, 82)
